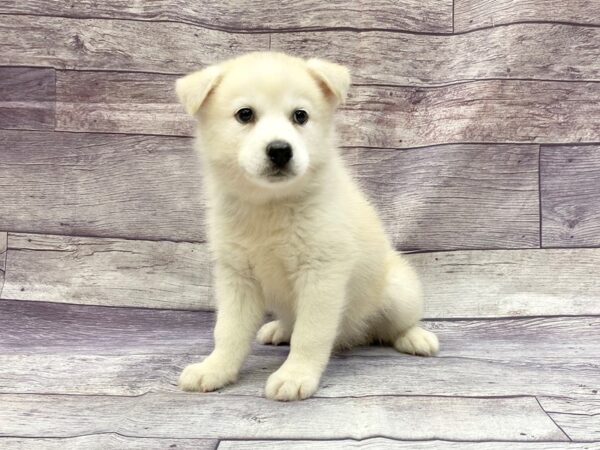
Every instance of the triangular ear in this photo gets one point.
(193, 89)
(334, 77)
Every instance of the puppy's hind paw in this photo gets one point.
(417, 341)
(273, 333)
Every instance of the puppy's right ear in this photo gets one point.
(193, 89)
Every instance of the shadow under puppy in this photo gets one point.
(290, 230)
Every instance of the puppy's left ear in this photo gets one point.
(193, 89)
(335, 78)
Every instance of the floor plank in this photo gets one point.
(83, 350)
(492, 283)
(246, 15)
(570, 180)
(27, 98)
(101, 185)
(579, 418)
(58, 328)
(472, 14)
(389, 444)
(118, 44)
(109, 441)
(214, 415)
(107, 271)
(555, 51)
(150, 188)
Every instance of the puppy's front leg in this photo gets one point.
(318, 312)
(240, 311)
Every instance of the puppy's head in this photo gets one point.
(265, 120)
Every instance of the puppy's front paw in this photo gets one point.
(273, 333)
(417, 341)
(287, 385)
(205, 376)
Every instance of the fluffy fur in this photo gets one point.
(306, 246)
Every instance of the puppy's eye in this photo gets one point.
(244, 115)
(300, 116)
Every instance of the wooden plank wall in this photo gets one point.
(483, 116)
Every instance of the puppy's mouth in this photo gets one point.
(278, 175)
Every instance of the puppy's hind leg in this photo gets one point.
(275, 332)
(403, 309)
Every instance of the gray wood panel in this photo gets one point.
(3, 245)
(389, 444)
(509, 282)
(118, 44)
(543, 51)
(120, 102)
(53, 328)
(27, 98)
(107, 271)
(489, 283)
(252, 16)
(193, 416)
(149, 187)
(482, 111)
(426, 195)
(579, 418)
(471, 14)
(570, 193)
(101, 185)
(375, 116)
(111, 441)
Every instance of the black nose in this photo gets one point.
(279, 152)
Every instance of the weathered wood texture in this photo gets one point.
(27, 98)
(457, 196)
(380, 116)
(389, 444)
(118, 44)
(149, 187)
(120, 102)
(482, 111)
(579, 418)
(219, 416)
(101, 185)
(560, 52)
(3, 245)
(53, 328)
(107, 271)
(143, 351)
(510, 283)
(250, 16)
(110, 441)
(472, 14)
(570, 194)
(176, 275)
(544, 51)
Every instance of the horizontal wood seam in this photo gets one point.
(311, 29)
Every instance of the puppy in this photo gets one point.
(291, 232)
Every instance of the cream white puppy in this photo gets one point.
(291, 232)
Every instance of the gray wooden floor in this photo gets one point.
(474, 127)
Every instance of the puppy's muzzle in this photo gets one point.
(280, 153)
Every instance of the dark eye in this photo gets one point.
(244, 115)
(300, 116)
